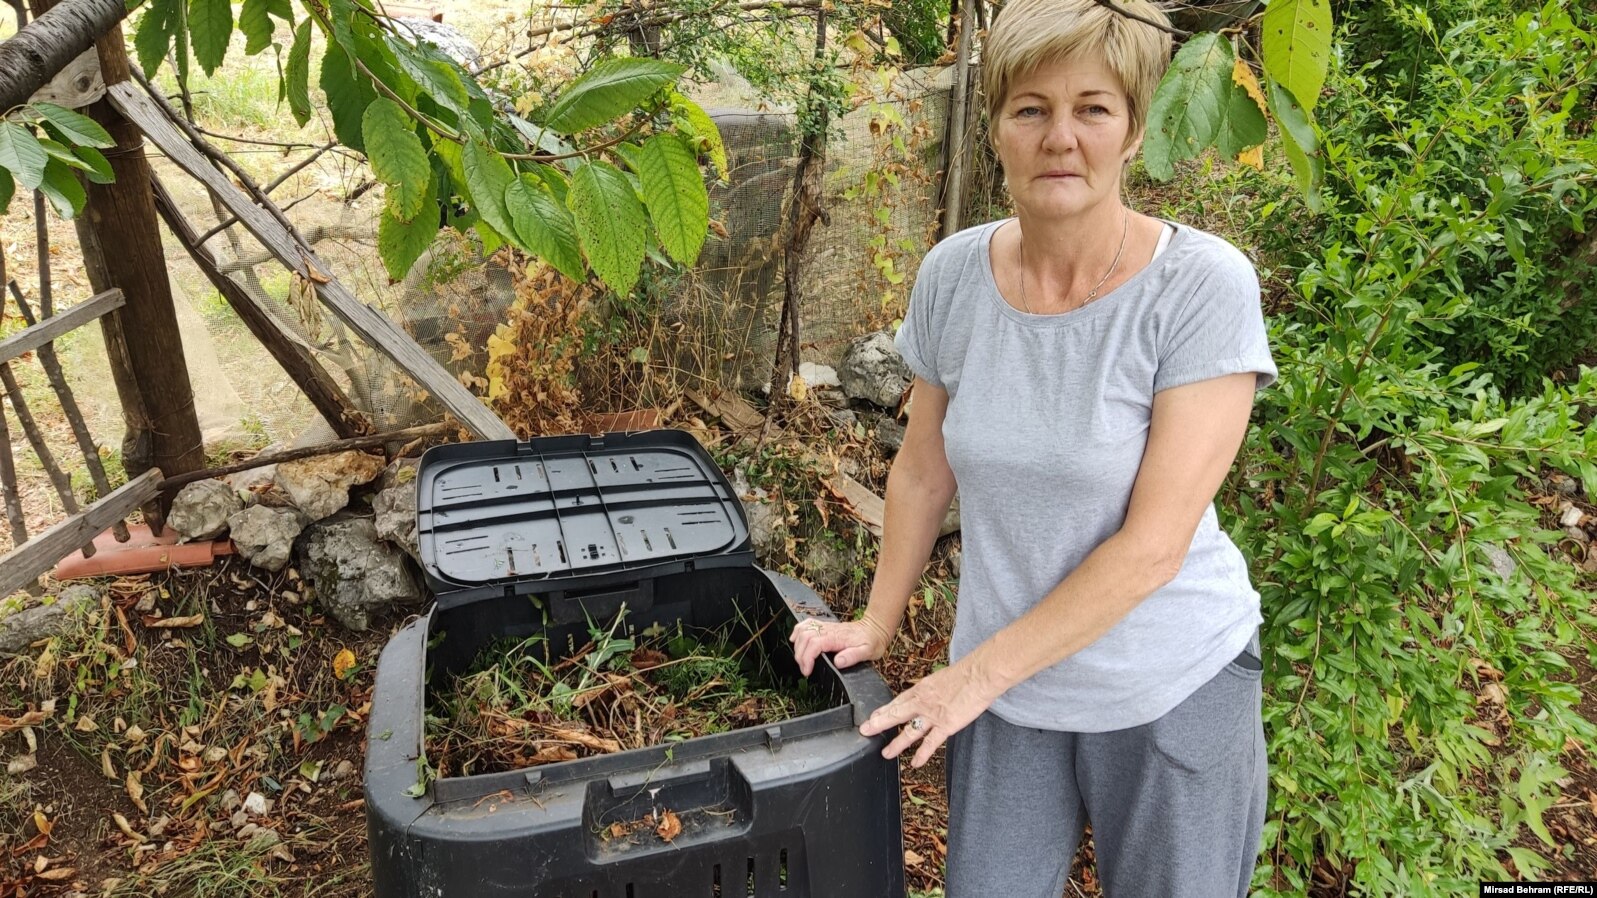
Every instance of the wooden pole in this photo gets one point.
(954, 183)
(121, 243)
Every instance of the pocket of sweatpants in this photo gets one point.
(1214, 723)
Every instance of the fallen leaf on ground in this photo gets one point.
(30, 719)
(343, 663)
(170, 623)
(127, 828)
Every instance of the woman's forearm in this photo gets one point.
(916, 506)
(1102, 590)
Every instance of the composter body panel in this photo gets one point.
(550, 538)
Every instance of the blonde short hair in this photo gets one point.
(1030, 33)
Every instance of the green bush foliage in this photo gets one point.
(1417, 610)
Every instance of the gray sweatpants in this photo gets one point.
(1176, 805)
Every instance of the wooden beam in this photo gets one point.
(958, 153)
(23, 565)
(48, 44)
(373, 326)
(323, 392)
(53, 328)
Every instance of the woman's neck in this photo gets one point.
(1066, 258)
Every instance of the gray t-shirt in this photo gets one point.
(1047, 421)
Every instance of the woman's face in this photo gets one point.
(1061, 137)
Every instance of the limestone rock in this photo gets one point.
(320, 486)
(889, 435)
(265, 536)
(201, 509)
(818, 376)
(400, 473)
(826, 564)
(1502, 562)
(21, 627)
(394, 512)
(355, 574)
(872, 370)
(767, 530)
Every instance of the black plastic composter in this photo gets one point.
(549, 537)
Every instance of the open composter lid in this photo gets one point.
(571, 513)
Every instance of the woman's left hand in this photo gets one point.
(941, 704)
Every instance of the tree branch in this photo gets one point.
(1117, 8)
(589, 28)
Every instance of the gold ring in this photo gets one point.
(815, 626)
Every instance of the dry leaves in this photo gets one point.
(668, 827)
(170, 623)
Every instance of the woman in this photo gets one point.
(1084, 375)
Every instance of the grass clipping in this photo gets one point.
(514, 709)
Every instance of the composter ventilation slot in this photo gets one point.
(781, 870)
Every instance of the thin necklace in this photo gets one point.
(1125, 228)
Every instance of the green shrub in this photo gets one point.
(1417, 609)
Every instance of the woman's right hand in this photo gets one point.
(850, 641)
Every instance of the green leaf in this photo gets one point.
(239, 640)
(1244, 124)
(673, 190)
(401, 243)
(8, 189)
(62, 152)
(610, 223)
(296, 76)
(283, 9)
(347, 97)
(153, 38)
(611, 88)
(1191, 104)
(1300, 140)
(491, 239)
(78, 129)
(21, 154)
(691, 117)
(340, 17)
(545, 227)
(255, 20)
(97, 167)
(439, 80)
(63, 189)
(488, 176)
(210, 28)
(1297, 46)
(397, 156)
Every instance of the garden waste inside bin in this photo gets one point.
(564, 537)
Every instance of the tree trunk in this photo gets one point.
(121, 243)
(31, 57)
